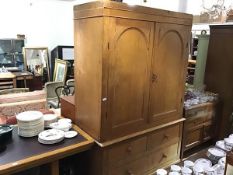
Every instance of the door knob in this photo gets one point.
(154, 77)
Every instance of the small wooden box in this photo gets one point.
(68, 107)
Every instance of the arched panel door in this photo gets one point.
(168, 73)
(129, 75)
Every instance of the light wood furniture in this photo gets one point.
(131, 75)
(229, 164)
(199, 126)
(38, 154)
(218, 74)
(140, 154)
(7, 81)
(129, 79)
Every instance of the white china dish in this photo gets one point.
(71, 134)
(64, 126)
(221, 144)
(66, 120)
(209, 171)
(214, 154)
(51, 136)
(229, 143)
(29, 116)
(198, 169)
(49, 118)
(201, 163)
(161, 172)
(188, 164)
(222, 161)
(186, 171)
(175, 168)
(30, 123)
(174, 173)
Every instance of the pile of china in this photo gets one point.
(213, 165)
(30, 123)
(199, 167)
(33, 123)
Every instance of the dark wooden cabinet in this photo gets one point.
(199, 126)
(218, 74)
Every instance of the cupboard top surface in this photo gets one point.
(110, 5)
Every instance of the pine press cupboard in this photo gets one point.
(130, 65)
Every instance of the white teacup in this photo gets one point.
(161, 172)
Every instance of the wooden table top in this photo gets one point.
(22, 153)
(7, 75)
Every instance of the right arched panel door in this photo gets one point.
(168, 73)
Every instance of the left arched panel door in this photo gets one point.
(129, 75)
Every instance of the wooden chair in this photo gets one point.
(62, 91)
(51, 96)
(70, 83)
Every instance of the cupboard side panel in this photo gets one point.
(88, 74)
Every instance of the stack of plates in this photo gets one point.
(30, 123)
(48, 119)
(51, 136)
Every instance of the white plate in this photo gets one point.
(221, 144)
(29, 116)
(202, 163)
(51, 135)
(49, 117)
(62, 126)
(70, 134)
(222, 161)
(66, 120)
(217, 152)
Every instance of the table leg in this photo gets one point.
(25, 82)
(54, 168)
(14, 83)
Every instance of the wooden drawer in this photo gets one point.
(127, 149)
(194, 122)
(208, 131)
(137, 167)
(193, 138)
(162, 157)
(197, 112)
(163, 137)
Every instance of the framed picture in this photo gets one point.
(36, 61)
(60, 70)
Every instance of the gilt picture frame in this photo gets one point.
(60, 70)
(36, 61)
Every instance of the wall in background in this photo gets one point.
(44, 22)
(50, 22)
(161, 4)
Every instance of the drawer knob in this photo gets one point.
(130, 172)
(166, 136)
(164, 156)
(129, 149)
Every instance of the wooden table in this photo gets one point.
(14, 76)
(24, 153)
(24, 75)
(7, 80)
